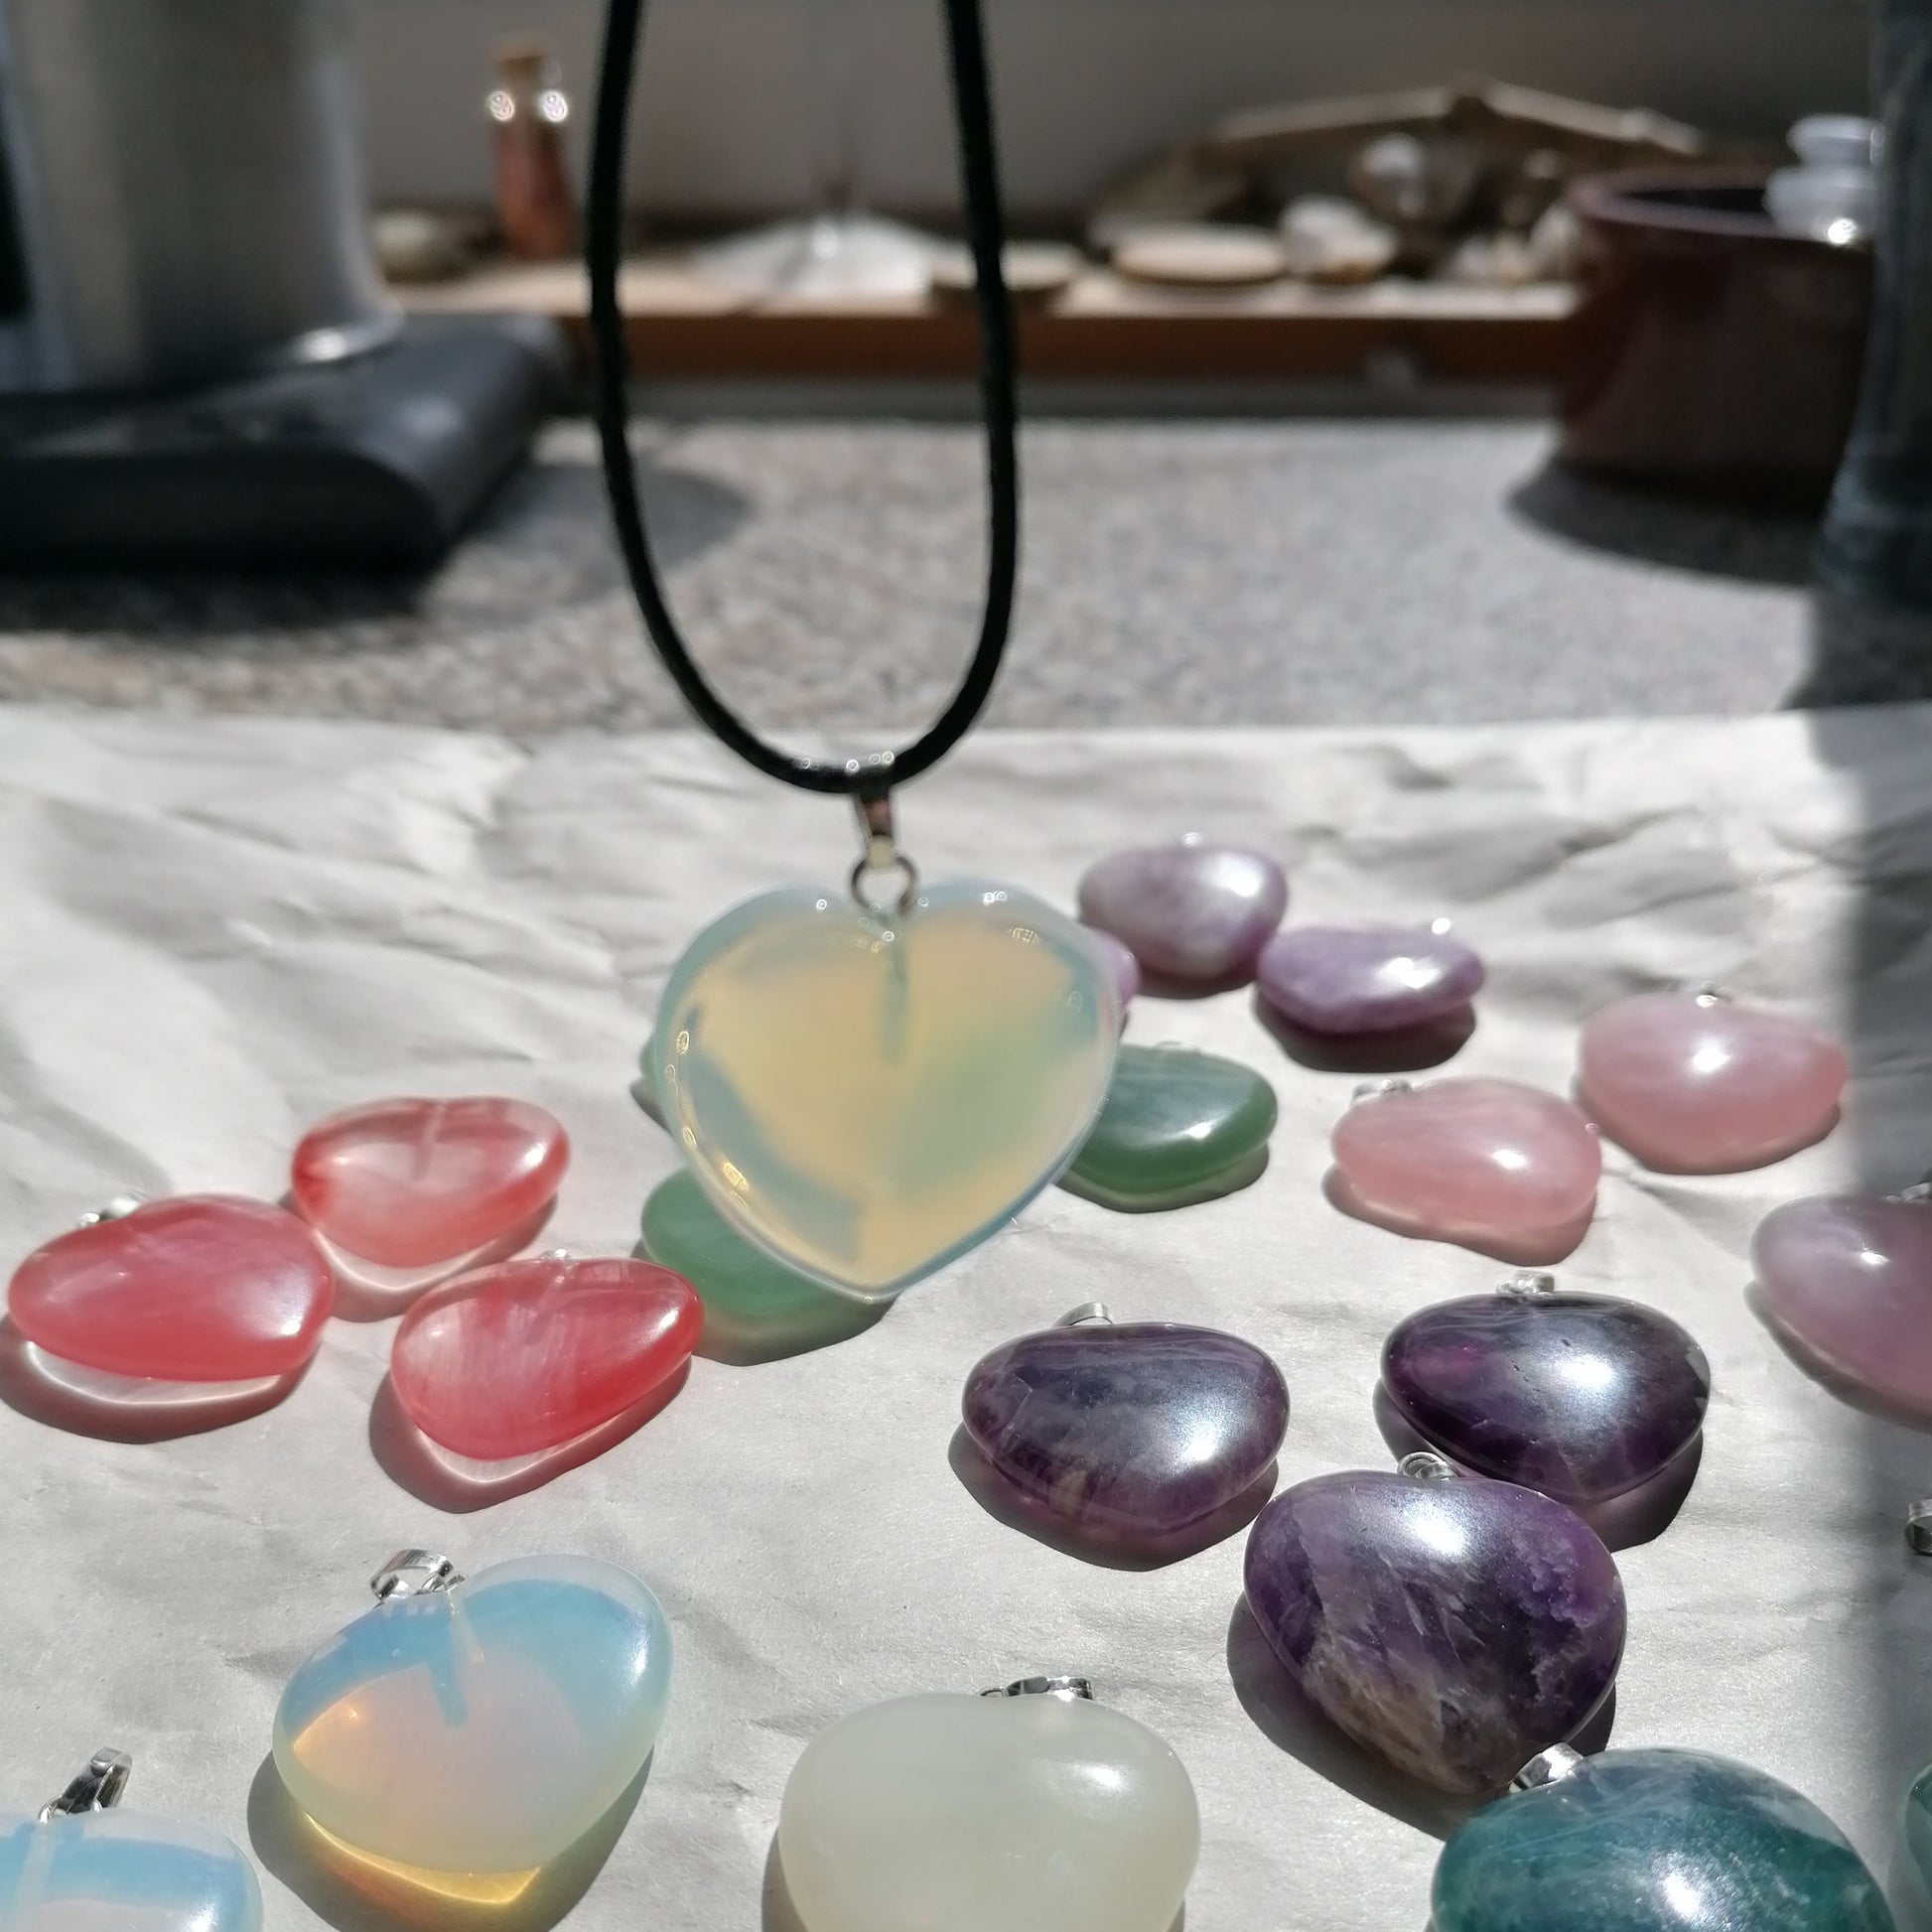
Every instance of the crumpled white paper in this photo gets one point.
(215, 933)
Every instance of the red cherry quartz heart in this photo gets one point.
(527, 1355)
(408, 1184)
(201, 1288)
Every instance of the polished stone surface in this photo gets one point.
(1134, 1429)
(1121, 962)
(1693, 1085)
(867, 1096)
(1454, 1628)
(755, 1307)
(408, 1184)
(196, 1288)
(954, 1813)
(1580, 1396)
(1366, 978)
(1850, 1279)
(1655, 1841)
(1915, 1839)
(1476, 1161)
(1190, 912)
(529, 1355)
(483, 1729)
(1177, 1127)
(118, 1871)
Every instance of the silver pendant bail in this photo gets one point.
(414, 1572)
(97, 1788)
(1918, 1526)
(116, 1209)
(1548, 1767)
(1069, 1690)
(1424, 1465)
(1711, 994)
(1089, 1315)
(1528, 1285)
(1380, 1090)
(878, 851)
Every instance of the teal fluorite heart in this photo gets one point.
(1177, 1127)
(483, 1729)
(122, 1872)
(868, 1095)
(1655, 1841)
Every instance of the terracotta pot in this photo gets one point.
(1710, 350)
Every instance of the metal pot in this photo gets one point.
(181, 196)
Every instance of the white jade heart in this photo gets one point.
(867, 1095)
(965, 1814)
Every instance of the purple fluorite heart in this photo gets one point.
(1580, 1396)
(1375, 979)
(1455, 1627)
(1133, 1433)
(1851, 1281)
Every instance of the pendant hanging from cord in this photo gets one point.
(867, 1085)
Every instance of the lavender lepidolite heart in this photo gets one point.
(1344, 980)
(1455, 1627)
(1580, 1396)
(1133, 1433)
(1192, 912)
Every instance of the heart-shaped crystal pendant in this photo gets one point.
(477, 1727)
(1700, 1083)
(1028, 1809)
(1580, 1396)
(1454, 1626)
(1849, 1280)
(196, 1292)
(522, 1357)
(1639, 1841)
(866, 1094)
(83, 1863)
(1131, 1433)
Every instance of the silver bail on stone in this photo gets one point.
(1380, 1089)
(879, 851)
(1069, 1690)
(1548, 1767)
(117, 1210)
(1087, 1314)
(1528, 1285)
(1711, 994)
(97, 1788)
(414, 1572)
(1918, 1526)
(1424, 1465)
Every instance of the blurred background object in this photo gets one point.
(1878, 536)
(1831, 195)
(527, 108)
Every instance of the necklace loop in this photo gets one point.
(878, 851)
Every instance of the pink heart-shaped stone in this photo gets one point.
(1697, 1084)
(201, 1288)
(1851, 1281)
(407, 1183)
(527, 1355)
(1476, 1161)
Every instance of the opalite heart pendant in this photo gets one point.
(1032, 1810)
(1580, 1396)
(86, 1863)
(1653, 1841)
(201, 1289)
(428, 1185)
(1454, 1626)
(1696, 1083)
(478, 1727)
(529, 1355)
(1178, 1127)
(1197, 914)
(869, 1094)
(1502, 1168)
(1849, 1280)
(1351, 980)
(1132, 1434)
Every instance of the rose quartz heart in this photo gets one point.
(522, 1358)
(201, 1288)
(1692, 1084)
(407, 1183)
(1850, 1279)
(1470, 1160)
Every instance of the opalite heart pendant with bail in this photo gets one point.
(867, 1090)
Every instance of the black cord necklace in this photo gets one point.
(869, 778)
